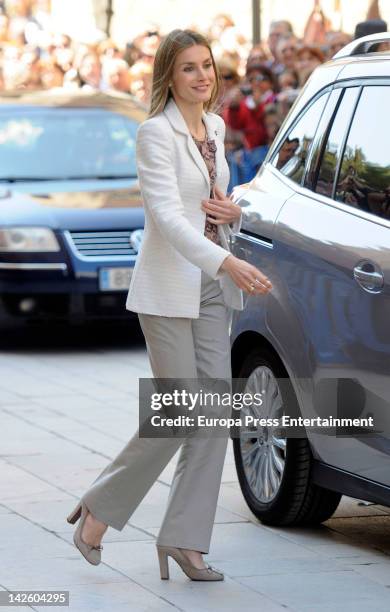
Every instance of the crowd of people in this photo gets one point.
(258, 83)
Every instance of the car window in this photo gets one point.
(332, 150)
(60, 143)
(291, 156)
(364, 180)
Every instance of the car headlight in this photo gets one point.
(28, 239)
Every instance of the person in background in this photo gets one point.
(107, 49)
(220, 24)
(90, 71)
(258, 55)
(20, 14)
(227, 41)
(141, 81)
(143, 48)
(246, 113)
(335, 41)
(230, 80)
(288, 79)
(272, 122)
(226, 37)
(277, 31)
(287, 152)
(148, 46)
(15, 73)
(286, 54)
(117, 75)
(285, 100)
(31, 60)
(62, 51)
(263, 84)
(52, 75)
(308, 58)
(288, 85)
(131, 53)
(4, 28)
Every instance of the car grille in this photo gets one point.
(95, 244)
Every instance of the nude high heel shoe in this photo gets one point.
(75, 515)
(91, 553)
(208, 573)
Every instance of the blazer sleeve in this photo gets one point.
(161, 195)
(236, 225)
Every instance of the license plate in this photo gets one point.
(114, 279)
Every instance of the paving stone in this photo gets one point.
(113, 597)
(317, 588)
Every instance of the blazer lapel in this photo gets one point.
(198, 159)
(177, 121)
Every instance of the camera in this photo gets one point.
(246, 90)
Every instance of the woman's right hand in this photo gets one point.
(246, 276)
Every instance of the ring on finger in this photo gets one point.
(260, 287)
(262, 284)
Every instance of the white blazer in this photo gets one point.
(173, 180)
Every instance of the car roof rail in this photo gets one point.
(360, 46)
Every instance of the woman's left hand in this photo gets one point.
(222, 209)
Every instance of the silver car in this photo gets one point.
(316, 221)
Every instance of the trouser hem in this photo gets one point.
(101, 516)
(183, 544)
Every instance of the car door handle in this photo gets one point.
(257, 236)
(369, 276)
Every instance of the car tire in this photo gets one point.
(296, 500)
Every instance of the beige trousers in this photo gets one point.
(177, 348)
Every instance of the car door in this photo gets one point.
(332, 247)
(262, 202)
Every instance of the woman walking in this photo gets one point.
(184, 282)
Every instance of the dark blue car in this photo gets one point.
(71, 216)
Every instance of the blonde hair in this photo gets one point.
(169, 48)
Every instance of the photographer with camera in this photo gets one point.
(245, 111)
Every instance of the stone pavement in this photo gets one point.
(67, 407)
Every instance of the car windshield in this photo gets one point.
(57, 143)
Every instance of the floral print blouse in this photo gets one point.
(207, 149)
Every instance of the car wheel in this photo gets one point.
(273, 470)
